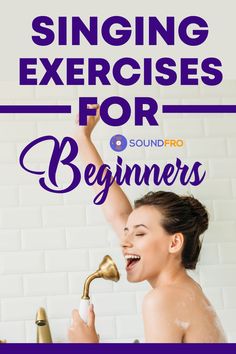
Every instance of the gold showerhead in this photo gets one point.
(107, 270)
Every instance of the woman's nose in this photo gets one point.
(126, 241)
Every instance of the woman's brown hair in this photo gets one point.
(183, 214)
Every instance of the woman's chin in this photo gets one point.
(135, 272)
(134, 278)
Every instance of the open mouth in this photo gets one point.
(131, 260)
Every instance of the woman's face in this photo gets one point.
(145, 244)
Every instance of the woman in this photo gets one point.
(160, 239)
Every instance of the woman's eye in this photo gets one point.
(139, 234)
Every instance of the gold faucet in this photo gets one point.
(43, 329)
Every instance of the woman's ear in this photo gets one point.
(176, 242)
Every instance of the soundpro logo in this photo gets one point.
(119, 143)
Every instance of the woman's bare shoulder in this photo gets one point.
(177, 292)
(186, 309)
(174, 299)
(161, 315)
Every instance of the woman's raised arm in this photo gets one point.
(116, 207)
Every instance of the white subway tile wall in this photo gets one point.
(50, 242)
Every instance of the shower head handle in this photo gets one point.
(107, 270)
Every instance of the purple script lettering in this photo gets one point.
(103, 176)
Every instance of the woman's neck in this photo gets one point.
(169, 276)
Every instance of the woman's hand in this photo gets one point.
(85, 131)
(80, 332)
